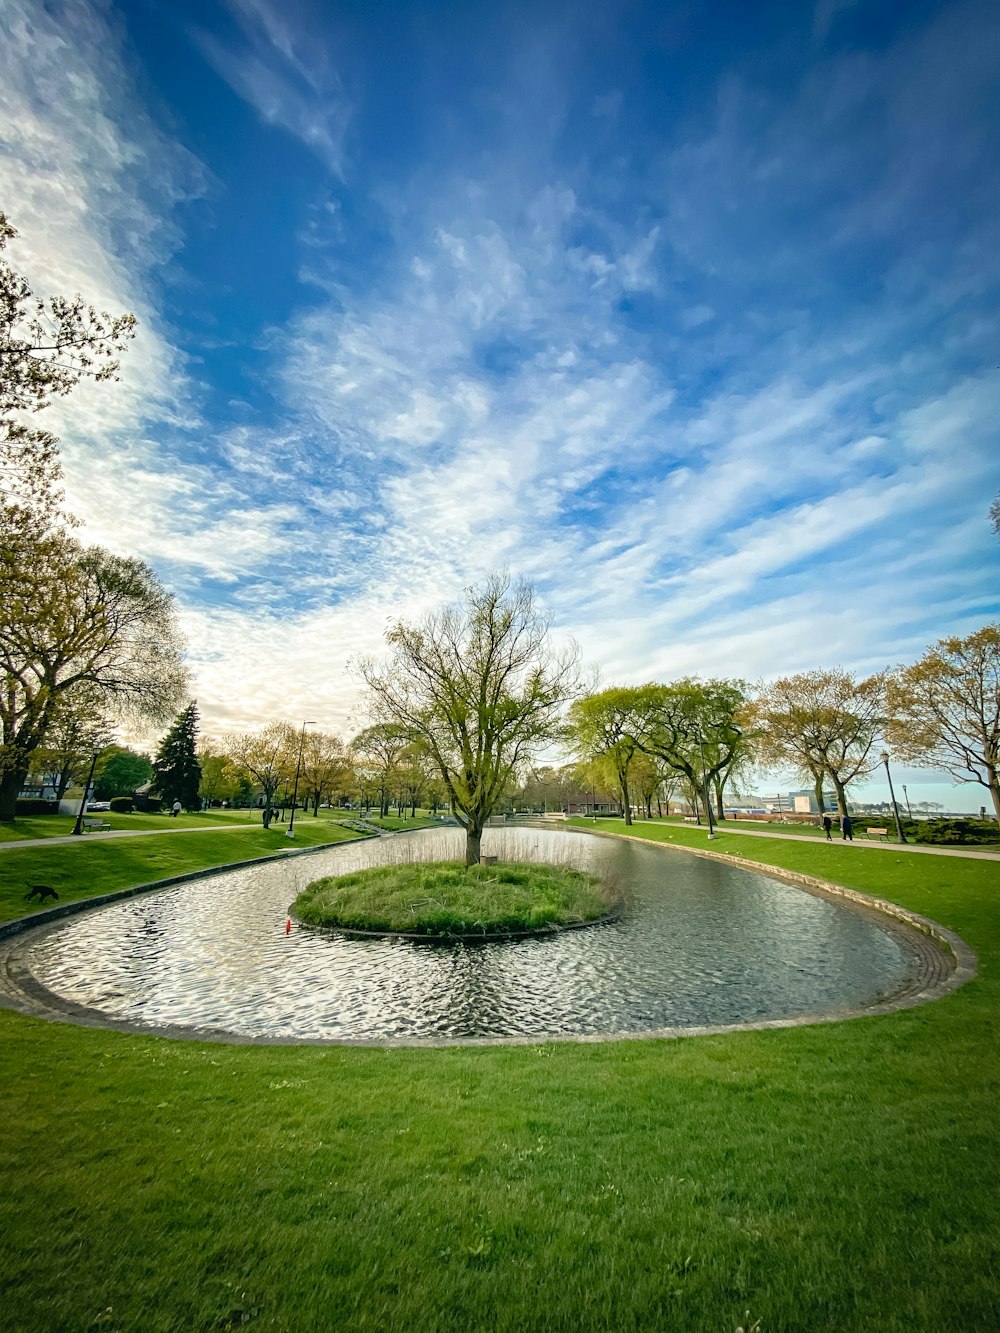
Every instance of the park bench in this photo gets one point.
(94, 824)
(876, 833)
(690, 819)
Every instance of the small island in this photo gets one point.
(447, 900)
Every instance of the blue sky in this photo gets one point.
(687, 312)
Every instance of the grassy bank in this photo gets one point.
(836, 1177)
(92, 866)
(438, 898)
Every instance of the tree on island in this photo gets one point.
(177, 772)
(945, 710)
(478, 687)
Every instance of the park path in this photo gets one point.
(972, 852)
(119, 833)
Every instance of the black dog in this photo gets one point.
(43, 891)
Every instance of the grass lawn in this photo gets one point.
(90, 866)
(60, 826)
(836, 1177)
(861, 822)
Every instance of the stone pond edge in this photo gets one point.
(19, 991)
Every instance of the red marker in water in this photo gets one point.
(288, 926)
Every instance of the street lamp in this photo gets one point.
(78, 826)
(704, 784)
(295, 789)
(906, 798)
(884, 756)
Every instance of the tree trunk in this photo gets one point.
(626, 801)
(991, 773)
(720, 810)
(841, 791)
(819, 795)
(11, 783)
(473, 844)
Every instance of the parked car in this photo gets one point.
(98, 805)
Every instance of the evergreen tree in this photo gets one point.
(178, 773)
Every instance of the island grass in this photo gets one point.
(88, 867)
(832, 1177)
(447, 898)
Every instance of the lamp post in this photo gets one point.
(906, 798)
(704, 784)
(892, 796)
(78, 826)
(295, 788)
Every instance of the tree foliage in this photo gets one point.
(822, 724)
(945, 709)
(603, 727)
(47, 346)
(177, 770)
(79, 618)
(480, 689)
(267, 757)
(120, 770)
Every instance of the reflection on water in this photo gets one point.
(702, 943)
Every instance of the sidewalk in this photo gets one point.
(120, 833)
(902, 848)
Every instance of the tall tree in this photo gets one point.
(267, 756)
(945, 710)
(378, 750)
(821, 723)
(479, 687)
(119, 771)
(604, 725)
(47, 346)
(77, 619)
(325, 770)
(77, 732)
(177, 771)
(219, 777)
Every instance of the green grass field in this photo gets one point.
(92, 866)
(834, 1177)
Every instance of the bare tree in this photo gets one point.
(479, 688)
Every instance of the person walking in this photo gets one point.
(175, 809)
(827, 826)
(847, 828)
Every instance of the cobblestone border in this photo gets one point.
(944, 963)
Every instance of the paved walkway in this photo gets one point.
(120, 833)
(862, 844)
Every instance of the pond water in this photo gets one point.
(700, 943)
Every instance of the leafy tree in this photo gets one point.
(821, 723)
(325, 770)
(945, 710)
(377, 751)
(177, 771)
(266, 756)
(694, 728)
(79, 619)
(995, 515)
(120, 771)
(477, 687)
(76, 733)
(47, 346)
(604, 725)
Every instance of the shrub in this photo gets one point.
(122, 805)
(29, 805)
(961, 831)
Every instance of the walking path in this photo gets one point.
(974, 852)
(120, 833)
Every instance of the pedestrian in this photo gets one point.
(175, 809)
(847, 828)
(828, 825)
